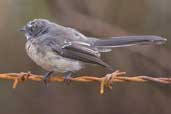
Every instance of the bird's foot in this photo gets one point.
(67, 77)
(46, 77)
(67, 80)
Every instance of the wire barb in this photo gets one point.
(105, 81)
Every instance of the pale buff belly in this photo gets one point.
(50, 61)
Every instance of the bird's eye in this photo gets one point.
(31, 28)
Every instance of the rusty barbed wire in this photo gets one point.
(105, 81)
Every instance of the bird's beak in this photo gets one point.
(23, 29)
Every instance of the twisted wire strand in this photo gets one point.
(105, 81)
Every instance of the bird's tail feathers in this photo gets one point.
(129, 41)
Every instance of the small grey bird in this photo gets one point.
(62, 49)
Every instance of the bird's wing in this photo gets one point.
(78, 51)
(81, 47)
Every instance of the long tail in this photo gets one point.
(129, 41)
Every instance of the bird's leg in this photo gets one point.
(67, 77)
(47, 76)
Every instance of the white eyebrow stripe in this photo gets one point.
(29, 25)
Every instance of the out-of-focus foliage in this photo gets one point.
(102, 18)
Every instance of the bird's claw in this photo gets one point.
(45, 81)
(46, 77)
(67, 77)
(67, 80)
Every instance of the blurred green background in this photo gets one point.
(102, 18)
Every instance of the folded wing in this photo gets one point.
(79, 51)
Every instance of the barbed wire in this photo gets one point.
(105, 81)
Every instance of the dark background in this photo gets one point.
(102, 18)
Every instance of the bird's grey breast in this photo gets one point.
(43, 56)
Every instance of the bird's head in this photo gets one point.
(35, 28)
